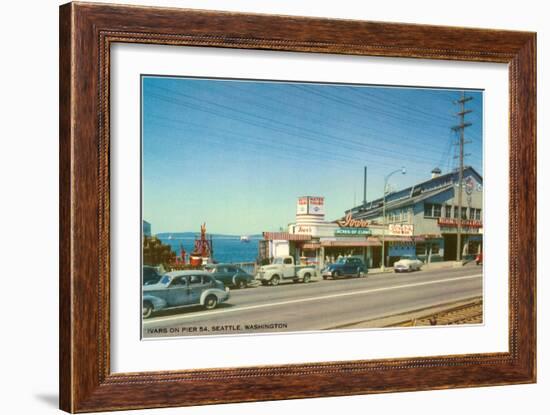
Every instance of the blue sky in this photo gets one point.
(237, 154)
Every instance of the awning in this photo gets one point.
(399, 239)
(311, 245)
(285, 236)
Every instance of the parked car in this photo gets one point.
(408, 263)
(150, 275)
(230, 275)
(284, 268)
(183, 288)
(479, 259)
(345, 267)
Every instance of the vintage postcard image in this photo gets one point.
(283, 206)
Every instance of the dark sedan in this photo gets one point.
(230, 275)
(349, 266)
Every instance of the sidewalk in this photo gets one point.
(433, 265)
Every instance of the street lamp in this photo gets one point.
(402, 171)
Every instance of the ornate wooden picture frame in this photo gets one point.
(87, 32)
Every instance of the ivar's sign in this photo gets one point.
(349, 222)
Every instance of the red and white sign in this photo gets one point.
(465, 223)
(311, 205)
(316, 205)
(400, 229)
(301, 206)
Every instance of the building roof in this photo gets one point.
(285, 236)
(413, 194)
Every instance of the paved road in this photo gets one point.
(320, 304)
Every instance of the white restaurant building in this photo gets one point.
(420, 220)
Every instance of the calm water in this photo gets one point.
(225, 249)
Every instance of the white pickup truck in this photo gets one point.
(283, 268)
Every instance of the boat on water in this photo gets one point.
(245, 238)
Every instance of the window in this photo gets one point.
(178, 281)
(435, 249)
(455, 212)
(478, 214)
(288, 261)
(448, 211)
(421, 249)
(464, 213)
(428, 210)
(195, 279)
(432, 210)
(472, 213)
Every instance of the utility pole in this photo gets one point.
(460, 128)
(365, 188)
(402, 170)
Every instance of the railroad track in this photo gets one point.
(469, 313)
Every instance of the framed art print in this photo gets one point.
(260, 207)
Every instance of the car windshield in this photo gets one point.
(407, 257)
(278, 261)
(165, 280)
(341, 261)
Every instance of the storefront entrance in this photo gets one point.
(471, 246)
(449, 254)
(376, 256)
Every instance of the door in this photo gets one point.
(232, 273)
(224, 275)
(288, 268)
(449, 253)
(196, 287)
(350, 266)
(376, 256)
(178, 292)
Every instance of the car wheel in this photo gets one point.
(210, 302)
(241, 284)
(358, 275)
(325, 277)
(336, 274)
(307, 277)
(275, 280)
(147, 309)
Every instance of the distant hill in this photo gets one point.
(192, 235)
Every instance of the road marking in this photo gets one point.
(305, 300)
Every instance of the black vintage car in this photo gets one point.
(345, 267)
(231, 275)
